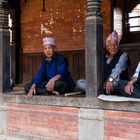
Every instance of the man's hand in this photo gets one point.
(109, 87)
(32, 91)
(50, 85)
(129, 88)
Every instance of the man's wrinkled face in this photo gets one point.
(48, 50)
(112, 47)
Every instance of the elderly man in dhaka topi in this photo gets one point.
(53, 77)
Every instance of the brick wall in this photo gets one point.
(44, 122)
(121, 125)
(106, 12)
(65, 19)
(40, 122)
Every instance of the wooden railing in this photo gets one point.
(32, 61)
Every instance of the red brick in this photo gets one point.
(59, 123)
(122, 114)
(122, 125)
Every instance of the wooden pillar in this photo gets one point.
(4, 48)
(94, 48)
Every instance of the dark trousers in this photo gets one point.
(136, 90)
(42, 90)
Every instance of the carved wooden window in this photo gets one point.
(134, 19)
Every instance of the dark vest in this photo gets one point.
(108, 67)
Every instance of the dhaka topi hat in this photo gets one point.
(113, 37)
(48, 41)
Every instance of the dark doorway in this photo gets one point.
(14, 19)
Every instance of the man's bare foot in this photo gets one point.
(55, 92)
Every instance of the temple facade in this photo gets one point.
(80, 28)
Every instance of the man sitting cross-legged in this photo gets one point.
(131, 88)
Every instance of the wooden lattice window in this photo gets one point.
(134, 19)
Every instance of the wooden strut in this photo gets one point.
(43, 7)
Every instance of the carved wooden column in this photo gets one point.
(94, 48)
(4, 48)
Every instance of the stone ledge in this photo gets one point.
(117, 98)
(106, 102)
